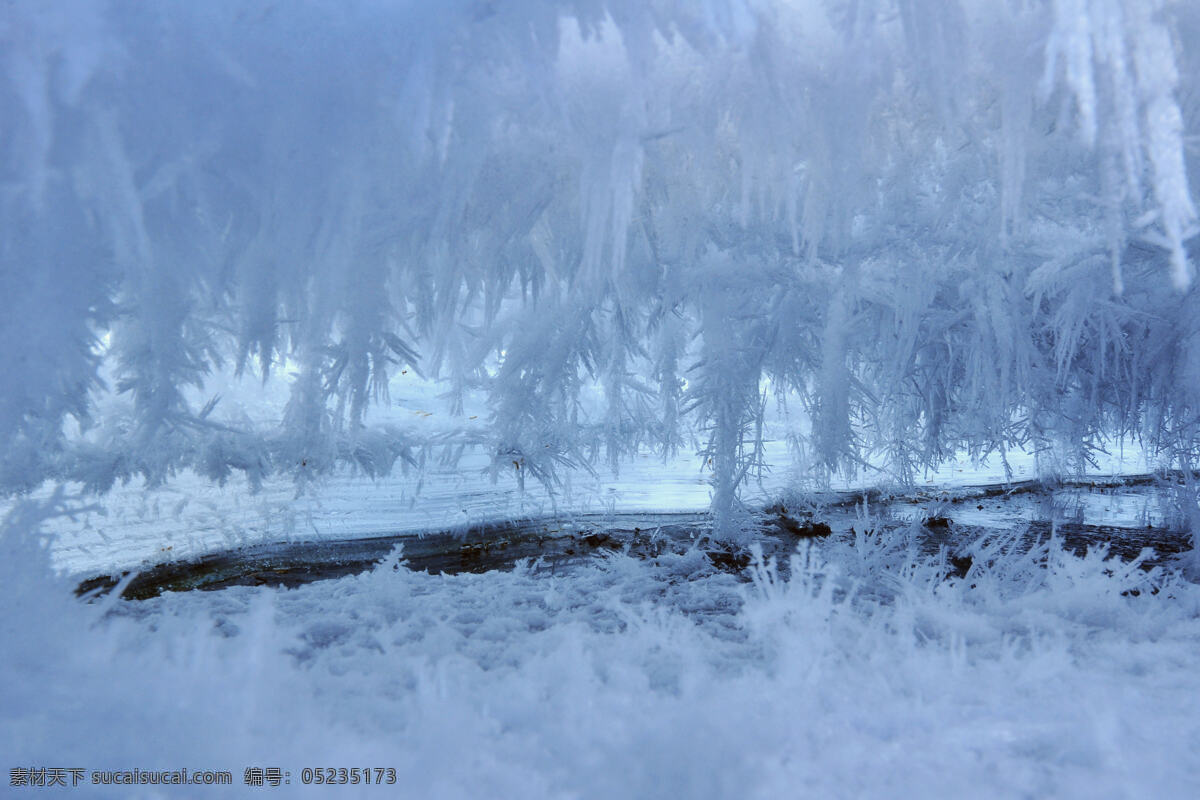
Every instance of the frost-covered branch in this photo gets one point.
(943, 224)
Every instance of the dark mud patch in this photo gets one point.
(790, 522)
(1124, 543)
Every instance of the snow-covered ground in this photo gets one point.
(865, 675)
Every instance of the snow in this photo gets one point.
(863, 675)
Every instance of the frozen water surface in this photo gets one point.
(133, 526)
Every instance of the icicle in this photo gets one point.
(1070, 43)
